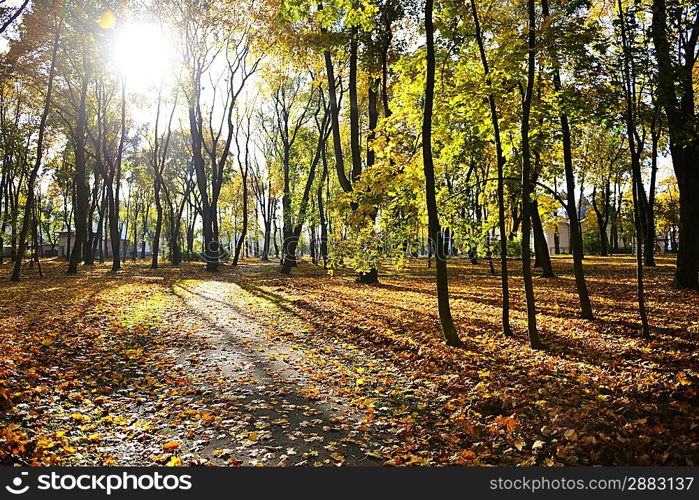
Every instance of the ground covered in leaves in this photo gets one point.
(250, 367)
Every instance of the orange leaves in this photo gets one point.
(67, 353)
(118, 363)
(171, 445)
(507, 423)
(494, 391)
(5, 400)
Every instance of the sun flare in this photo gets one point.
(142, 54)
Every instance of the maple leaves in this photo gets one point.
(600, 395)
(68, 368)
(168, 367)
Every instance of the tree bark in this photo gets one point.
(435, 232)
(637, 179)
(29, 204)
(575, 234)
(335, 122)
(321, 212)
(81, 193)
(113, 192)
(684, 147)
(649, 252)
(534, 340)
(504, 274)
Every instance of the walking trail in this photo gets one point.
(267, 406)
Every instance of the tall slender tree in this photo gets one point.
(29, 204)
(435, 231)
(526, 178)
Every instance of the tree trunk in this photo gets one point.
(29, 204)
(81, 192)
(448, 328)
(354, 110)
(637, 179)
(335, 123)
(504, 274)
(158, 224)
(543, 258)
(575, 234)
(243, 234)
(370, 277)
(145, 231)
(113, 190)
(682, 128)
(534, 340)
(321, 212)
(649, 253)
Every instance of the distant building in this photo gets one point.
(66, 241)
(558, 234)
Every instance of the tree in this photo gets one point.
(676, 93)
(635, 153)
(571, 206)
(435, 231)
(243, 158)
(201, 31)
(526, 178)
(9, 16)
(159, 157)
(500, 160)
(29, 204)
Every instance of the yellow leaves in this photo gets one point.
(383, 355)
(466, 457)
(682, 379)
(134, 353)
(174, 462)
(570, 435)
(107, 20)
(172, 445)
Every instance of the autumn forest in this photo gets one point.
(349, 232)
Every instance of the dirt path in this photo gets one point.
(268, 410)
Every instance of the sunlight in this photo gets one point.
(142, 54)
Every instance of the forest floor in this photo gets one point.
(249, 367)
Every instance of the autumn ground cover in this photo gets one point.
(247, 366)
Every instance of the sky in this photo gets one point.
(3, 37)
